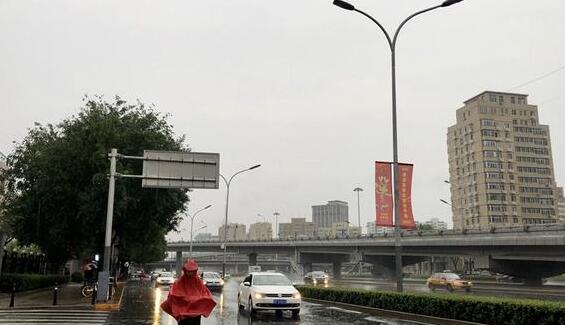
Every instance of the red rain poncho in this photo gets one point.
(189, 297)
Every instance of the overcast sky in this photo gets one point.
(301, 87)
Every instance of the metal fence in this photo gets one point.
(13, 262)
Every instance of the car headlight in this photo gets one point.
(296, 295)
(314, 281)
(204, 282)
(221, 282)
(259, 295)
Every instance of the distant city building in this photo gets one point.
(260, 231)
(373, 229)
(435, 223)
(297, 228)
(235, 232)
(561, 204)
(334, 211)
(500, 164)
(344, 229)
(204, 236)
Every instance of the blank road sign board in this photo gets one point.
(178, 169)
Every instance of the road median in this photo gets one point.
(469, 309)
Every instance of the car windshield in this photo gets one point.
(166, 275)
(211, 275)
(451, 276)
(271, 280)
(318, 274)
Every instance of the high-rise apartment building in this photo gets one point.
(260, 231)
(561, 204)
(500, 163)
(326, 215)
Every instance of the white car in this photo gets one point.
(268, 291)
(165, 278)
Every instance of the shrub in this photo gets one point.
(77, 277)
(485, 310)
(29, 281)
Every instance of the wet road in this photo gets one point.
(141, 306)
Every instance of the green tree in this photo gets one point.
(57, 183)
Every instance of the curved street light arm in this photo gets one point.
(378, 24)
(393, 44)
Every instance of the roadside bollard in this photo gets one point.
(55, 291)
(13, 295)
(94, 294)
(110, 285)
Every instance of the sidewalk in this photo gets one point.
(67, 295)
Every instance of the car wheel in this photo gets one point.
(431, 287)
(449, 288)
(295, 313)
(239, 305)
(252, 311)
(468, 290)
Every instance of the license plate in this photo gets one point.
(279, 301)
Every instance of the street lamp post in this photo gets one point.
(276, 214)
(228, 182)
(392, 45)
(192, 225)
(358, 189)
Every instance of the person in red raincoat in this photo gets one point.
(189, 298)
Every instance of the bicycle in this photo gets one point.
(88, 288)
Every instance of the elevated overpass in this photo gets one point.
(530, 252)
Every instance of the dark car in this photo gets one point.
(316, 278)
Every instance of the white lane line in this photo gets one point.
(345, 310)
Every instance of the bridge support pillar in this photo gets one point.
(337, 270)
(178, 264)
(252, 259)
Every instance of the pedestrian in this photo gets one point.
(89, 270)
(189, 299)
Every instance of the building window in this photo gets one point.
(492, 98)
(513, 100)
(486, 122)
(490, 143)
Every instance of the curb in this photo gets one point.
(420, 319)
(111, 306)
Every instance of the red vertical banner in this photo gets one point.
(383, 193)
(405, 195)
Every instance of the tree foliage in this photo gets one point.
(58, 186)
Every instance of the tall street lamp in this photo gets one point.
(192, 217)
(276, 214)
(358, 189)
(228, 182)
(392, 45)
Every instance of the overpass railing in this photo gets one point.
(409, 233)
